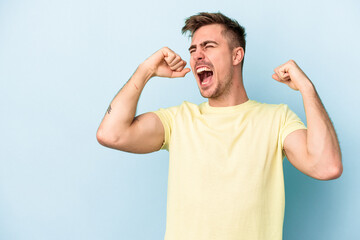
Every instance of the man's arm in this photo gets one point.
(315, 151)
(120, 129)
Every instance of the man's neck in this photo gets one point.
(237, 95)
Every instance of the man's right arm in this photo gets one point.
(120, 129)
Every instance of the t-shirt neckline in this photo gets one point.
(206, 108)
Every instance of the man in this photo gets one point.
(225, 169)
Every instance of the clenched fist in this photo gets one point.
(292, 75)
(165, 63)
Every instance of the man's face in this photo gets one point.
(211, 61)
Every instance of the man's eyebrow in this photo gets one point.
(192, 47)
(208, 41)
(203, 44)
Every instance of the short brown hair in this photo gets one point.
(234, 32)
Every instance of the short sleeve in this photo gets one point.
(290, 123)
(167, 116)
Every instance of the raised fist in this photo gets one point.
(166, 63)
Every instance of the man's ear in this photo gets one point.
(238, 55)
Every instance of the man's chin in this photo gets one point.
(206, 94)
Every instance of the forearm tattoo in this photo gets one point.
(109, 109)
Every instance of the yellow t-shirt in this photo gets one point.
(226, 170)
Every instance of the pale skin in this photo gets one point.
(314, 151)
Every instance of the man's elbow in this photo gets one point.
(101, 137)
(332, 172)
(106, 139)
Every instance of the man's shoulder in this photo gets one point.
(270, 109)
(189, 106)
(270, 106)
(185, 106)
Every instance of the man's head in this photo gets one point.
(217, 52)
(233, 31)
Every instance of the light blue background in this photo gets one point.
(61, 63)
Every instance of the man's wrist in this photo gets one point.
(144, 72)
(307, 88)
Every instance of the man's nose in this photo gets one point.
(198, 54)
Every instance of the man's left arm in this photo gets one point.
(315, 151)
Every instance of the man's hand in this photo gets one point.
(165, 63)
(291, 74)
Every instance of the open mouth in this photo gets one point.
(205, 75)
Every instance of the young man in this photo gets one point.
(225, 167)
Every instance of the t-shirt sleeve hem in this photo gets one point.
(162, 116)
(290, 130)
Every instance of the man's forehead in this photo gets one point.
(208, 32)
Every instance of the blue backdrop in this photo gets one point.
(61, 63)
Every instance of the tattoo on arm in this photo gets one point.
(109, 109)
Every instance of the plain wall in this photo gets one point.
(62, 62)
